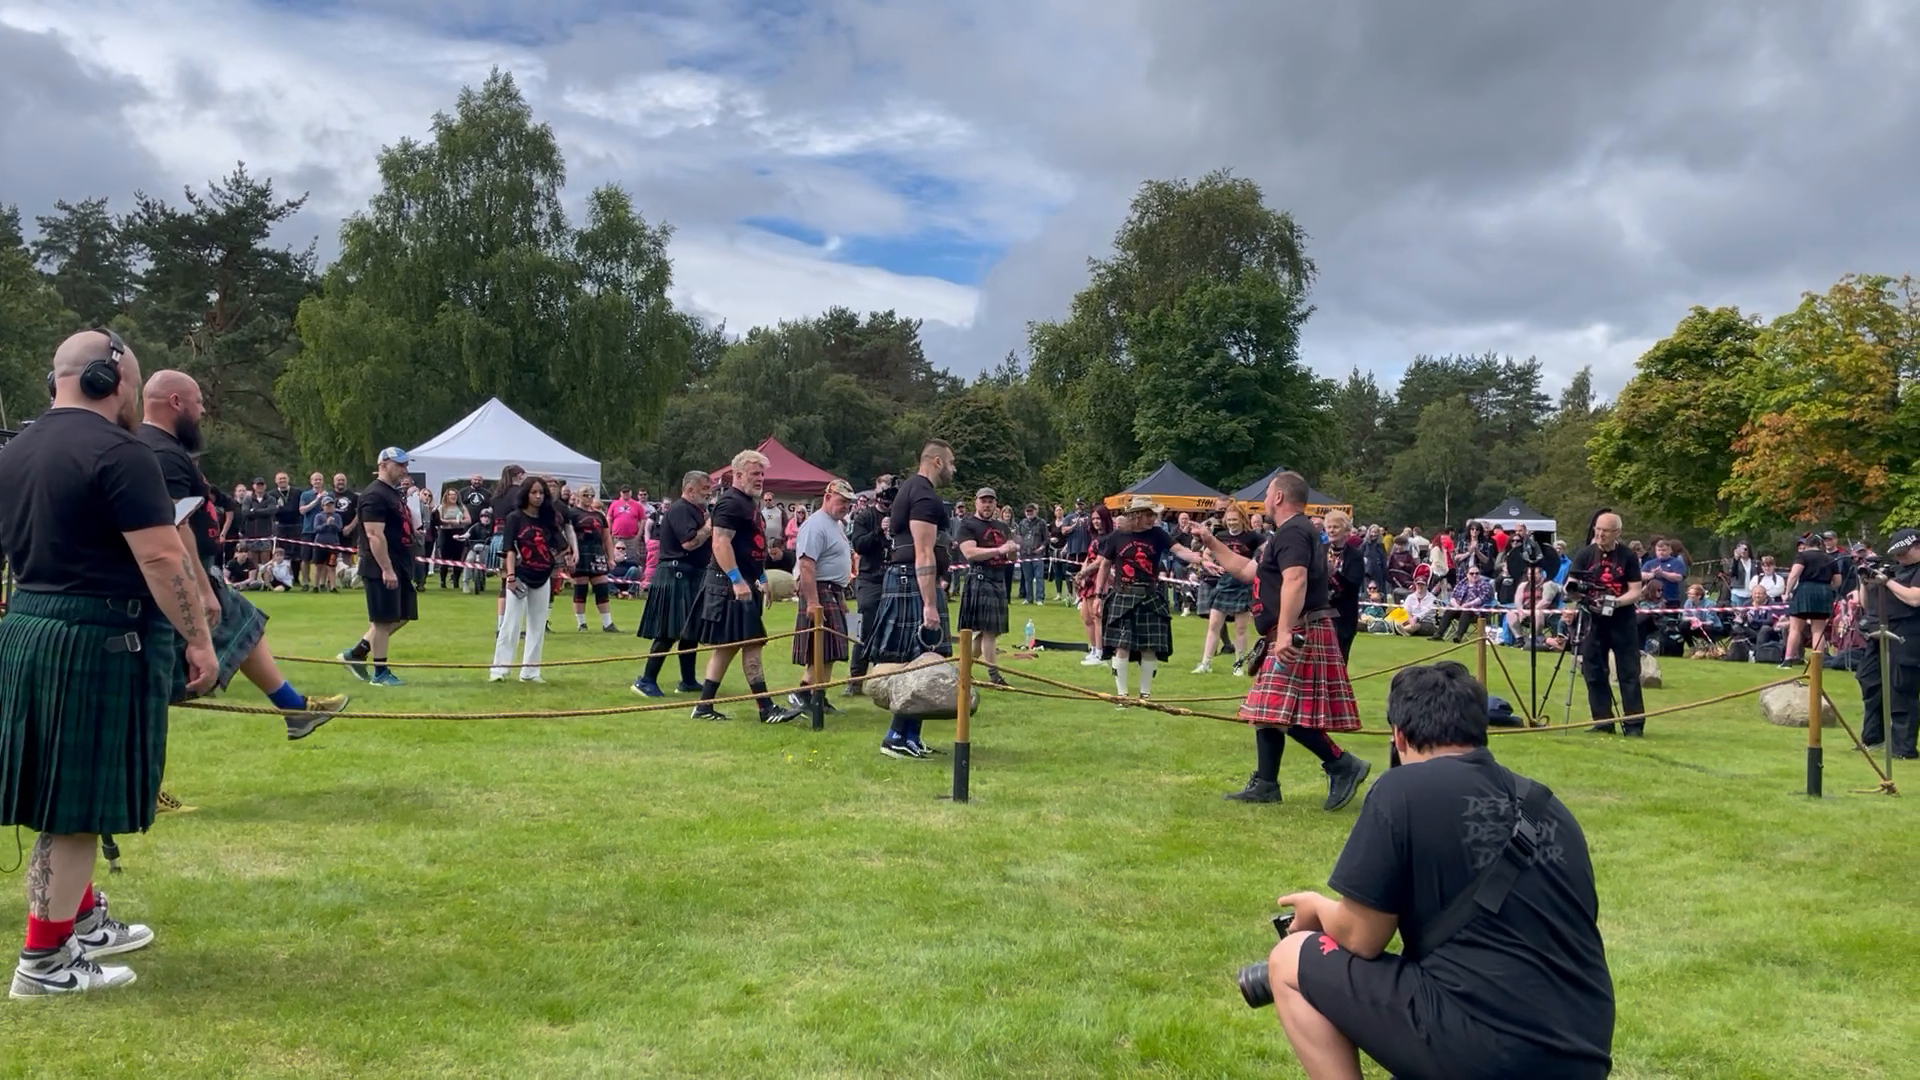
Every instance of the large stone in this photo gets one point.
(780, 585)
(1786, 706)
(1649, 671)
(927, 686)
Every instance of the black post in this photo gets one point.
(962, 768)
(818, 707)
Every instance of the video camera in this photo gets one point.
(1254, 984)
(1875, 568)
(1584, 588)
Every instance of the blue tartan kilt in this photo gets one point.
(1230, 596)
(894, 635)
(241, 627)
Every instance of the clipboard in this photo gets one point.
(182, 508)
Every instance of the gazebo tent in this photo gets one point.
(1254, 495)
(1171, 488)
(488, 440)
(1512, 511)
(787, 472)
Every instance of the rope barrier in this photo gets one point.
(1456, 647)
(1886, 785)
(548, 663)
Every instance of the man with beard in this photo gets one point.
(173, 408)
(1606, 579)
(103, 584)
(730, 617)
(983, 598)
(1137, 623)
(346, 503)
(673, 598)
(386, 569)
(824, 562)
(286, 520)
(869, 538)
(912, 616)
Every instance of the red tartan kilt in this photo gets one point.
(1312, 693)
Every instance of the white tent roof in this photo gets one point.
(1511, 512)
(488, 440)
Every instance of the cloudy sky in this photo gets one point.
(1560, 180)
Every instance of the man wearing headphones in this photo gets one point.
(87, 652)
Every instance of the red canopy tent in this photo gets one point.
(787, 472)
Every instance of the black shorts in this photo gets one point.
(1387, 1007)
(396, 605)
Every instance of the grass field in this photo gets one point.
(650, 895)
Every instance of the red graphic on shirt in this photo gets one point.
(992, 537)
(532, 548)
(1610, 576)
(1328, 945)
(1136, 561)
(759, 539)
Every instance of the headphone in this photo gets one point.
(100, 379)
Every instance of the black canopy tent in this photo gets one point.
(1172, 488)
(1318, 502)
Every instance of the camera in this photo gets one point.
(1257, 652)
(1874, 568)
(1254, 986)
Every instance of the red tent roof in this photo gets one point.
(787, 472)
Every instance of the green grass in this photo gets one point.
(650, 895)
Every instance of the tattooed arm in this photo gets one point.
(168, 568)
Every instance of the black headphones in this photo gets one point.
(100, 379)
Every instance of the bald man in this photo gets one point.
(104, 588)
(173, 409)
(1605, 577)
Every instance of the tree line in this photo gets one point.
(465, 278)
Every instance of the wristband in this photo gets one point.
(734, 575)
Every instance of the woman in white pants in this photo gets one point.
(534, 542)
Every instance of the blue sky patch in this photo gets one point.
(936, 253)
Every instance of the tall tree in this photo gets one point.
(91, 263)
(986, 448)
(1444, 461)
(884, 353)
(32, 322)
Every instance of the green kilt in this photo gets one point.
(241, 627)
(83, 716)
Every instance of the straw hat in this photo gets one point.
(1139, 503)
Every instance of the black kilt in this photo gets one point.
(673, 600)
(893, 635)
(723, 620)
(833, 605)
(983, 601)
(241, 627)
(1137, 620)
(83, 730)
(1811, 600)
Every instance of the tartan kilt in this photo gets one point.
(833, 604)
(724, 620)
(1137, 620)
(1231, 596)
(983, 601)
(673, 600)
(83, 731)
(1811, 600)
(893, 637)
(241, 627)
(1313, 693)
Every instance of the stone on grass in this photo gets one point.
(1786, 706)
(1649, 671)
(927, 686)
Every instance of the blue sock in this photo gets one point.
(287, 697)
(895, 732)
(913, 729)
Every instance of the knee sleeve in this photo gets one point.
(601, 592)
(580, 592)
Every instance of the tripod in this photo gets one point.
(1883, 634)
(1579, 625)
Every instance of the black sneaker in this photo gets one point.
(923, 750)
(646, 687)
(1344, 776)
(609, 629)
(1601, 729)
(1256, 791)
(899, 748)
(687, 688)
(1633, 731)
(781, 716)
(708, 712)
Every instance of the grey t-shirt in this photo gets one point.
(822, 540)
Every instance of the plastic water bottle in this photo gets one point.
(1030, 637)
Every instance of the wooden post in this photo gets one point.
(818, 674)
(962, 722)
(1480, 632)
(1816, 700)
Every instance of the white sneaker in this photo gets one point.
(99, 934)
(533, 679)
(1093, 660)
(1204, 667)
(64, 971)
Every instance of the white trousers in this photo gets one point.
(530, 609)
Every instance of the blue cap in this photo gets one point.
(394, 454)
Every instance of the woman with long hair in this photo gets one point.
(449, 522)
(1230, 598)
(590, 567)
(1813, 584)
(506, 499)
(1086, 585)
(534, 546)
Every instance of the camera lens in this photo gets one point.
(1254, 986)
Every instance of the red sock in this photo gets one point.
(47, 934)
(86, 901)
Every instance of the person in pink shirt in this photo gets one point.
(653, 561)
(626, 515)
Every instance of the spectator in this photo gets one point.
(1700, 625)
(1473, 598)
(328, 526)
(1421, 607)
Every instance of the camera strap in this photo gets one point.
(1489, 890)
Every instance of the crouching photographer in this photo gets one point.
(1486, 877)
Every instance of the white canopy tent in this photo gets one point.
(1514, 512)
(488, 440)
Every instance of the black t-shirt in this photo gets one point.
(1134, 556)
(590, 532)
(1881, 603)
(1537, 971)
(504, 504)
(185, 480)
(348, 503)
(1346, 578)
(916, 501)
(1295, 542)
(676, 528)
(382, 507)
(986, 534)
(74, 482)
(536, 544)
(475, 499)
(1816, 567)
(1611, 572)
(734, 510)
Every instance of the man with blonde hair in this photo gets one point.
(729, 615)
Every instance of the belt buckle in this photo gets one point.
(124, 643)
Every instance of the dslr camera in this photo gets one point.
(1582, 589)
(1874, 568)
(1254, 985)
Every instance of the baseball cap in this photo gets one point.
(259, 479)
(394, 454)
(840, 488)
(1901, 540)
(986, 493)
(1830, 535)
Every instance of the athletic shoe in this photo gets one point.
(46, 972)
(533, 679)
(925, 750)
(1093, 660)
(900, 748)
(687, 688)
(1344, 776)
(1239, 668)
(609, 629)
(781, 716)
(1205, 667)
(356, 668)
(1256, 791)
(99, 934)
(582, 628)
(708, 712)
(165, 802)
(647, 688)
(387, 678)
(320, 709)
(803, 703)
(497, 677)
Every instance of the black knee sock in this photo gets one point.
(709, 690)
(1316, 742)
(686, 663)
(1270, 743)
(759, 687)
(657, 658)
(361, 651)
